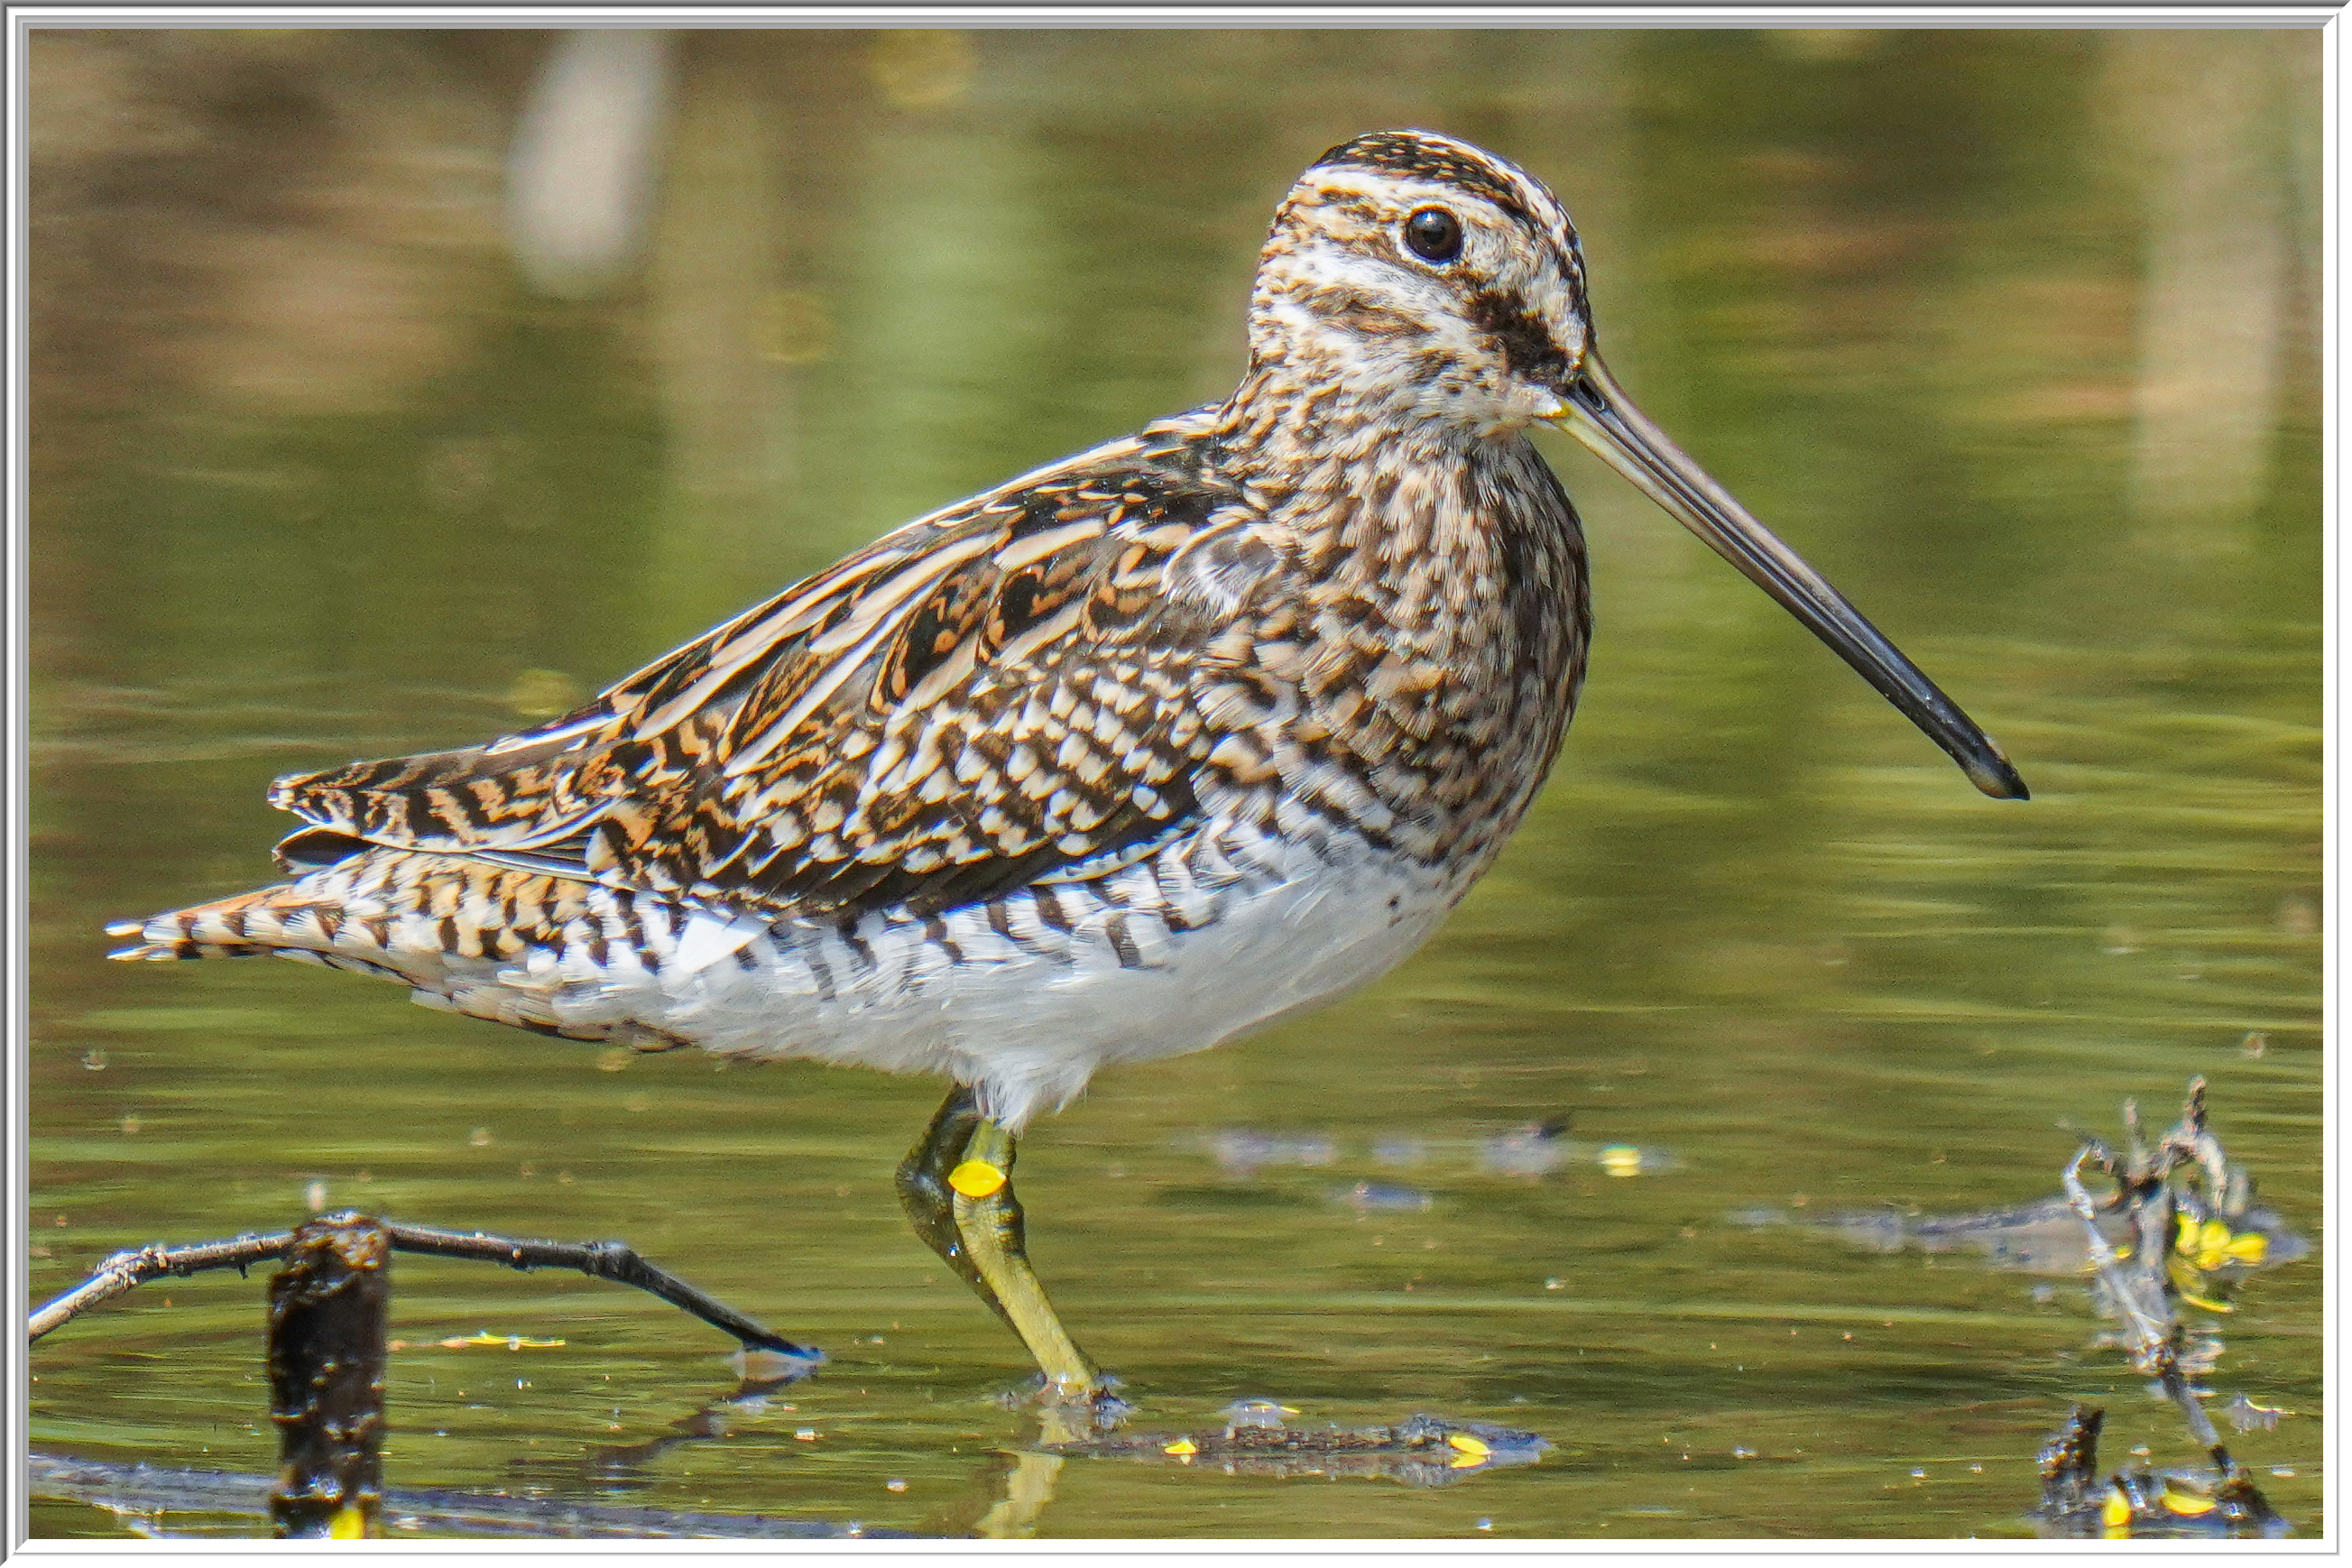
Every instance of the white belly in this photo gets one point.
(1024, 1002)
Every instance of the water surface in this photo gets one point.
(2012, 343)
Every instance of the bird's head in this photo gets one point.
(1414, 284)
(1421, 276)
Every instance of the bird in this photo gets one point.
(1132, 754)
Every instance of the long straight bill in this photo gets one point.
(1601, 415)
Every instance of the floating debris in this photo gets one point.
(2248, 1415)
(2140, 1503)
(1420, 1451)
(1539, 1148)
(1379, 1197)
(2044, 1237)
(489, 1341)
(1242, 1152)
(1536, 1149)
(2186, 1245)
(2219, 1241)
(1529, 1151)
(1244, 1413)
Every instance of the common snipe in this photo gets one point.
(1118, 760)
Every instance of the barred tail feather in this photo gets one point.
(467, 936)
(248, 925)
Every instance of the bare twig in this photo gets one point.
(2152, 1331)
(2144, 1293)
(612, 1260)
(125, 1271)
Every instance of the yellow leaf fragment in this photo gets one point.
(2188, 1505)
(489, 1341)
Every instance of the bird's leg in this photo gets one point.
(988, 1218)
(957, 1186)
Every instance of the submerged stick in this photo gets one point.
(612, 1260)
(328, 1311)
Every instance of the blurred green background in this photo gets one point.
(390, 389)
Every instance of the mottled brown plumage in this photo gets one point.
(984, 697)
(1300, 594)
(1038, 680)
(1334, 622)
(1136, 752)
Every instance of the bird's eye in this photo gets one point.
(1433, 234)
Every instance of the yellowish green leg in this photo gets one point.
(957, 1186)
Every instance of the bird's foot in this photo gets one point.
(1070, 1411)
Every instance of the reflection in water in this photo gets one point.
(2214, 313)
(2137, 1502)
(583, 172)
(1242, 1152)
(630, 1466)
(167, 1504)
(724, 228)
(315, 477)
(1028, 1488)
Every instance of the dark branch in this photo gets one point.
(612, 1260)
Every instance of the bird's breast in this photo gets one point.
(1416, 685)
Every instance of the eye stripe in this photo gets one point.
(1376, 175)
(1527, 343)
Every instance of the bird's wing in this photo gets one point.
(1001, 693)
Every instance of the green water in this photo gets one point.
(2014, 341)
